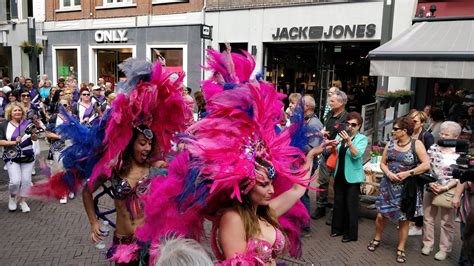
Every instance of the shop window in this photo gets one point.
(236, 47)
(171, 57)
(65, 4)
(66, 63)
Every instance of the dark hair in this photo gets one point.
(437, 114)
(16, 79)
(200, 102)
(188, 89)
(356, 116)
(127, 154)
(406, 123)
(6, 80)
(84, 89)
(107, 93)
(21, 91)
(28, 79)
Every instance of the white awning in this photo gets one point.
(436, 49)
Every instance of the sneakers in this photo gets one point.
(5, 167)
(71, 195)
(426, 250)
(440, 255)
(415, 231)
(63, 200)
(33, 172)
(24, 207)
(12, 204)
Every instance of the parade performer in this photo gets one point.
(127, 147)
(238, 170)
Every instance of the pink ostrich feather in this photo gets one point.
(125, 253)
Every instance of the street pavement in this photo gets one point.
(55, 234)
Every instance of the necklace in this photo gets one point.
(403, 145)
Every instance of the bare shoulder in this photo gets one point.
(231, 217)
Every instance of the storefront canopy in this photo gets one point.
(438, 49)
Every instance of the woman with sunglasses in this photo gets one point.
(398, 165)
(84, 109)
(57, 145)
(18, 155)
(34, 115)
(349, 173)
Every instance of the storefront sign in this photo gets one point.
(319, 32)
(111, 36)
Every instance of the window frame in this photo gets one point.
(184, 47)
(73, 5)
(55, 61)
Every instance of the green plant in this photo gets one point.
(30, 49)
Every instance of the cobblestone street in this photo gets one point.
(54, 234)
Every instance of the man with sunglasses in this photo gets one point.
(334, 123)
(98, 99)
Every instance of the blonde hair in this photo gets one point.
(294, 97)
(9, 110)
(420, 114)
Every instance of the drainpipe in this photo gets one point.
(203, 49)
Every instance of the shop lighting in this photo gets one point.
(282, 75)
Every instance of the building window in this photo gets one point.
(117, 2)
(169, 1)
(66, 63)
(65, 4)
(171, 57)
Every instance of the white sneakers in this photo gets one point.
(71, 195)
(426, 250)
(63, 200)
(12, 204)
(415, 231)
(441, 255)
(24, 207)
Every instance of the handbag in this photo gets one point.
(332, 160)
(444, 199)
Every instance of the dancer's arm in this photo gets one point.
(287, 199)
(88, 202)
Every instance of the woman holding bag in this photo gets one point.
(441, 159)
(349, 173)
(399, 163)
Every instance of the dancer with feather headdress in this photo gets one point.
(238, 170)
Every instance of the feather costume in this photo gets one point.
(241, 125)
(151, 98)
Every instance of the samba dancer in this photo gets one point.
(126, 147)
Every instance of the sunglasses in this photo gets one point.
(86, 94)
(25, 95)
(396, 128)
(352, 124)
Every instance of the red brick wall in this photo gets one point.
(142, 8)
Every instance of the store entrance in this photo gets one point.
(6, 62)
(108, 61)
(311, 67)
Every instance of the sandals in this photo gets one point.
(373, 245)
(401, 257)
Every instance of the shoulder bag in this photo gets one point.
(444, 199)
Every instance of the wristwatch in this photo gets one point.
(412, 172)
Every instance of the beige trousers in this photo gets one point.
(447, 224)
